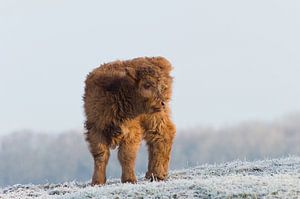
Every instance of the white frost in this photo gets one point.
(275, 178)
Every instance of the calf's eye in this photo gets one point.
(147, 86)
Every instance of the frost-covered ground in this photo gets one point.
(276, 178)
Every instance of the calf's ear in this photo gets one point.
(162, 63)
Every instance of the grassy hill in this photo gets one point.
(274, 178)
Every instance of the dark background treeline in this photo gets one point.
(28, 157)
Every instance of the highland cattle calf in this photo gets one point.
(125, 102)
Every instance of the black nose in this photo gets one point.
(163, 104)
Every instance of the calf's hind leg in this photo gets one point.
(100, 152)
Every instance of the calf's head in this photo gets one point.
(151, 86)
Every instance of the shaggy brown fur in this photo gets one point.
(125, 102)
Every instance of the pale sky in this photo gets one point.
(233, 60)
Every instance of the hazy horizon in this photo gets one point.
(233, 60)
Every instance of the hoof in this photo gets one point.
(96, 182)
(155, 177)
(132, 181)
